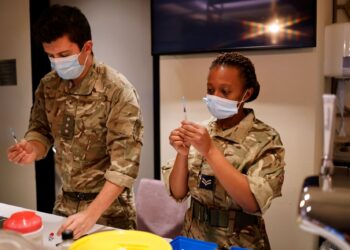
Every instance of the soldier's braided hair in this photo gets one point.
(245, 67)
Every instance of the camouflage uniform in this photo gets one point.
(255, 149)
(97, 130)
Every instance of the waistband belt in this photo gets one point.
(212, 216)
(220, 217)
(79, 196)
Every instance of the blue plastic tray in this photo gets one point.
(183, 243)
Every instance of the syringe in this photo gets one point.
(14, 135)
(184, 107)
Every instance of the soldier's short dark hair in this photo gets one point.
(60, 20)
(245, 67)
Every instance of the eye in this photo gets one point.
(65, 54)
(60, 55)
(210, 91)
(225, 92)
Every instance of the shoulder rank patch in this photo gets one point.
(207, 182)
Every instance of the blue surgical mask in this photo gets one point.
(222, 108)
(68, 67)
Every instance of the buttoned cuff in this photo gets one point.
(262, 192)
(35, 136)
(119, 179)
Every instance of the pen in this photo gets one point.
(184, 107)
(14, 135)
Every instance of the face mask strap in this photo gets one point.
(85, 57)
(242, 100)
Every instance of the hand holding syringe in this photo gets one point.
(24, 152)
(191, 134)
(185, 115)
(177, 135)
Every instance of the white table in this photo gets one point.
(51, 224)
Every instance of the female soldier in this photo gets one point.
(232, 167)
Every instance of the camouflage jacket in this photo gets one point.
(96, 128)
(255, 149)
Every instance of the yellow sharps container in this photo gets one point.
(121, 240)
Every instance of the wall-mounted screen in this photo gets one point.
(193, 26)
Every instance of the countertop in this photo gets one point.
(51, 224)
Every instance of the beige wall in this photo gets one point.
(292, 83)
(17, 184)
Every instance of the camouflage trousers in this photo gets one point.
(120, 214)
(235, 234)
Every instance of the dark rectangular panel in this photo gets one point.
(8, 75)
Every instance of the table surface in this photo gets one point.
(51, 224)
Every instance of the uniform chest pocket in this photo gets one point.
(235, 155)
(90, 145)
(92, 112)
(195, 164)
(55, 110)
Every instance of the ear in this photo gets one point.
(88, 46)
(249, 92)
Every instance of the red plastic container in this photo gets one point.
(23, 222)
(26, 223)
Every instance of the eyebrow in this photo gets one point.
(220, 85)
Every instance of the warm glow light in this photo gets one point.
(302, 203)
(277, 29)
(274, 27)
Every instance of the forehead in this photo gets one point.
(59, 45)
(227, 75)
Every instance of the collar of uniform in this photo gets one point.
(236, 133)
(87, 84)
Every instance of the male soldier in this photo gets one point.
(91, 114)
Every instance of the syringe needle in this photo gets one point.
(184, 107)
(14, 135)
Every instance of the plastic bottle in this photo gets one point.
(67, 239)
